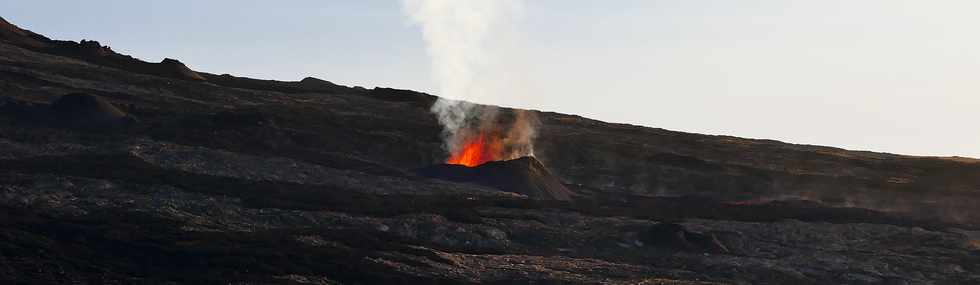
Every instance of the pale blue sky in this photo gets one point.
(884, 75)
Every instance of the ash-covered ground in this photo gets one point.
(155, 173)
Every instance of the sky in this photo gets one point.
(897, 76)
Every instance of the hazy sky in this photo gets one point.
(883, 75)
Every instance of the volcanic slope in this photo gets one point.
(525, 175)
(236, 180)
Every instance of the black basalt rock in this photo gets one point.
(86, 111)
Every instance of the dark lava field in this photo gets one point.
(118, 171)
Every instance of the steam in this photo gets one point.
(461, 36)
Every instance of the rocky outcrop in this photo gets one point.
(176, 69)
(95, 52)
(306, 85)
(15, 35)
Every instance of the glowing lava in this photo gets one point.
(476, 151)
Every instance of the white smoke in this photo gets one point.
(461, 36)
(464, 39)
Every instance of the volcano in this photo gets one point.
(146, 174)
(525, 175)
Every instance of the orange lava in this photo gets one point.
(476, 151)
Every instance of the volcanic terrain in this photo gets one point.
(118, 171)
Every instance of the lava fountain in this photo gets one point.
(469, 43)
(492, 138)
(475, 152)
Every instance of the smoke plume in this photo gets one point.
(462, 38)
